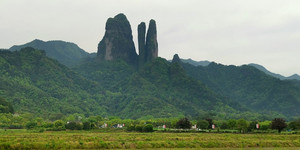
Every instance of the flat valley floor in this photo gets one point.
(101, 139)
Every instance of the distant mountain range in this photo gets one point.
(196, 63)
(259, 67)
(71, 55)
(66, 53)
(263, 69)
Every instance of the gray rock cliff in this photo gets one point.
(117, 42)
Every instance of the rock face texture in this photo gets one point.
(148, 48)
(142, 43)
(117, 42)
(151, 42)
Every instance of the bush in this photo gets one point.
(294, 125)
(15, 126)
(59, 123)
(130, 127)
(79, 126)
(60, 128)
(31, 125)
(139, 128)
(252, 125)
(202, 124)
(183, 123)
(74, 126)
(148, 128)
(48, 125)
(224, 125)
(71, 125)
(86, 125)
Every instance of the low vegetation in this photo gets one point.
(119, 139)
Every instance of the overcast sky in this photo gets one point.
(265, 32)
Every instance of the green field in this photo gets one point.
(99, 139)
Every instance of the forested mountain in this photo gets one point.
(37, 84)
(66, 53)
(250, 87)
(5, 107)
(159, 89)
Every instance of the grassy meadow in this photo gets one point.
(101, 139)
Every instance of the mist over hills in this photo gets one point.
(118, 82)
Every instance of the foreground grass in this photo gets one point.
(22, 139)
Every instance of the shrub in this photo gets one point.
(59, 128)
(202, 124)
(86, 125)
(294, 125)
(71, 125)
(48, 125)
(130, 127)
(148, 128)
(183, 123)
(74, 126)
(231, 124)
(31, 125)
(224, 125)
(139, 128)
(59, 123)
(15, 126)
(79, 126)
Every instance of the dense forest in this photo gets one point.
(36, 84)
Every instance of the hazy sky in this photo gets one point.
(265, 32)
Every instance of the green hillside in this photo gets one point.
(37, 84)
(250, 87)
(158, 89)
(66, 53)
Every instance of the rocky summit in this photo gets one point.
(117, 42)
(176, 59)
(148, 48)
(151, 41)
(142, 43)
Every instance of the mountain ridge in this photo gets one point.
(249, 86)
(67, 53)
(263, 69)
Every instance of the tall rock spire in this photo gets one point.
(117, 42)
(142, 43)
(151, 42)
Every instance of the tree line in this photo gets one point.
(81, 122)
